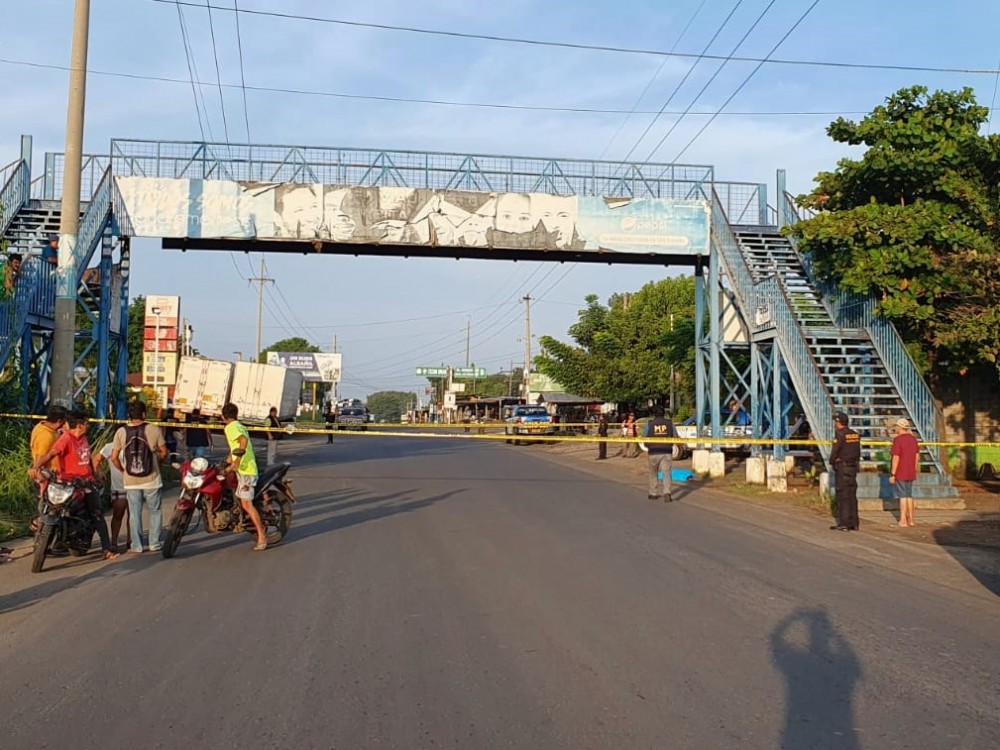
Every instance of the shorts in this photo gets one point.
(245, 484)
(902, 488)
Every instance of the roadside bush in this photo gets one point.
(17, 503)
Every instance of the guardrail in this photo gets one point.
(93, 222)
(14, 194)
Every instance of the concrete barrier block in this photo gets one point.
(699, 461)
(789, 464)
(826, 486)
(756, 470)
(717, 465)
(777, 477)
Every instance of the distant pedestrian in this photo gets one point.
(845, 458)
(199, 439)
(602, 431)
(904, 468)
(660, 457)
(631, 431)
(11, 271)
(273, 435)
(136, 451)
(330, 418)
(50, 253)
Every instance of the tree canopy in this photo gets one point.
(624, 351)
(914, 220)
(293, 344)
(389, 406)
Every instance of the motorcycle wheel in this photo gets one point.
(42, 541)
(82, 547)
(277, 517)
(176, 530)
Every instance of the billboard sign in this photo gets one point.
(159, 369)
(164, 345)
(169, 311)
(432, 372)
(373, 215)
(316, 367)
(470, 373)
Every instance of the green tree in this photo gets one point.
(294, 344)
(389, 406)
(499, 384)
(624, 351)
(136, 324)
(915, 220)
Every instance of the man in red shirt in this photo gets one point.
(72, 453)
(904, 468)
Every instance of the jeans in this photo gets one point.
(153, 500)
(93, 501)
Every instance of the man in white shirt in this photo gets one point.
(136, 451)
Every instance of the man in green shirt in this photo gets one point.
(244, 463)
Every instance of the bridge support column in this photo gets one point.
(700, 375)
(104, 330)
(755, 400)
(777, 430)
(715, 345)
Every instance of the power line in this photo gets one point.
(430, 102)
(652, 80)
(218, 73)
(683, 80)
(711, 80)
(594, 47)
(243, 80)
(746, 80)
(193, 62)
(187, 58)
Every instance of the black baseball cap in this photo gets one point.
(841, 417)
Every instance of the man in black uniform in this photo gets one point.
(660, 455)
(602, 431)
(845, 458)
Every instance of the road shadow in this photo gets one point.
(821, 672)
(388, 506)
(975, 545)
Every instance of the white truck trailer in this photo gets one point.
(202, 384)
(257, 387)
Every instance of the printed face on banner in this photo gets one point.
(412, 217)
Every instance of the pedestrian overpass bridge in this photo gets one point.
(809, 347)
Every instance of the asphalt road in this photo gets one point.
(445, 594)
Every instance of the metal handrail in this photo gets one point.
(13, 195)
(93, 222)
(802, 366)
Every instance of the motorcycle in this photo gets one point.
(65, 521)
(210, 490)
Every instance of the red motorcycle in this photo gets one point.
(210, 490)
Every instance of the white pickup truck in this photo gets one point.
(525, 420)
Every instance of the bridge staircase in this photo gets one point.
(839, 355)
(25, 224)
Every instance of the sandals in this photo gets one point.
(260, 547)
(110, 555)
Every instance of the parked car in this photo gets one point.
(352, 418)
(524, 420)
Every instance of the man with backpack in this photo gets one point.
(137, 450)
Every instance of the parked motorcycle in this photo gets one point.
(210, 490)
(65, 521)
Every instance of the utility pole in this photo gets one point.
(468, 338)
(260, 281)
(69, 219)
(527, 342)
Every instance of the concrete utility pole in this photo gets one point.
(468, 337)
(260, 281)
(527, 341)
(69, 221)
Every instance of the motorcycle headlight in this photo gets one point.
(199, 465)
(193, 481)
(57, 494)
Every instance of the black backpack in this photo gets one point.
(138, 454)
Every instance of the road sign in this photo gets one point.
(468, 373)
(432, 372)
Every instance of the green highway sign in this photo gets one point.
(432, 372)
(470, 372)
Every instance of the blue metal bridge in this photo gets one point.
(811, 348)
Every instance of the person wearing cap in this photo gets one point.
(845, 458)
(50, 253)
(903, 470)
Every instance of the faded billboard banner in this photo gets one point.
(215, 209)
(316, 367)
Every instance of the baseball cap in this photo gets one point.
(53, 238)
(841, 417)
(903, 423)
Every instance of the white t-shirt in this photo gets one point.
(117, 480)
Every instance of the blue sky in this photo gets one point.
(392, 315)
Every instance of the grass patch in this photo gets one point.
(17, 501)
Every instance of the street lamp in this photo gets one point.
(156, 354)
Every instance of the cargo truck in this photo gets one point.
(257, 387)
(202, 384)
